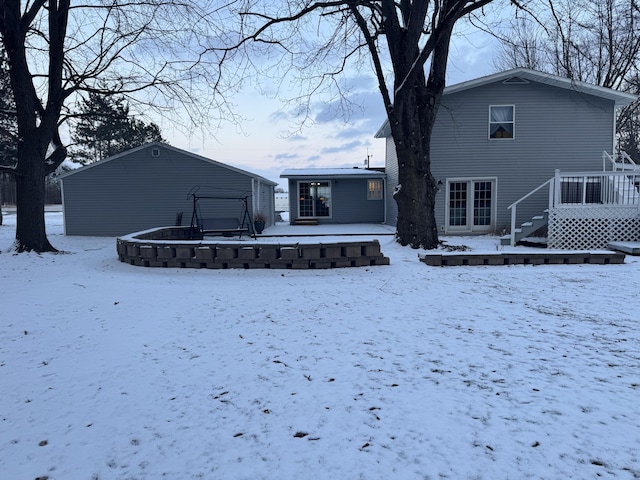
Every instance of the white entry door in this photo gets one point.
(471, 205)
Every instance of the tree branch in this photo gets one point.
(382, 84)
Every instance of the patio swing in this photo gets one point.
(225, 226)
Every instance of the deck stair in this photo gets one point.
(306, 221)
(527, 228)
(628, 190)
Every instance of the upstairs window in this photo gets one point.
(501, 122)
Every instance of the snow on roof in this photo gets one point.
(330, 172)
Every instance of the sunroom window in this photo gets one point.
(501, 122)
(374, 190)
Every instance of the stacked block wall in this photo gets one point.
(163, 248)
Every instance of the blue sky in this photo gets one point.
(269, 141)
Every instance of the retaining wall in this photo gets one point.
(171, 247)
(550, 258)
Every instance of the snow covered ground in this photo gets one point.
(110, 371)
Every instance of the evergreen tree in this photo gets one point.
(105, 128)
(8, 126)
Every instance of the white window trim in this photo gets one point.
(490, 122)
(448, 229)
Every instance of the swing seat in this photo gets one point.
(227, 227)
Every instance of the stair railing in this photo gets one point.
(514, 207)
(626, 159)
(622, 162)
(607, 158)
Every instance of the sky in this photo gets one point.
(112, 371)
(270, 142)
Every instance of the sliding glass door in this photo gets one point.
(314, 199)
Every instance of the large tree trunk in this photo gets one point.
(411, 119)
(30, 187)
(37, 123)
(416, 192)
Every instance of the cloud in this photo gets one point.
(286, 156)
(277, 116)
(297, 138)
(349, 132)
(362, 111)
(345, 147)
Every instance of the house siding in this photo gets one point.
(264, 201)
(350, 196)
(136, 191)
(554, 129)
(391, 170)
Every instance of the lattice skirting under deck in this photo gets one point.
(592, 227)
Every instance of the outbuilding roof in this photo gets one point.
(526, 75)
(331, 172)
(168, 147)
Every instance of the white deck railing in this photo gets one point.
(617, 188)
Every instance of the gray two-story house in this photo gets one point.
(499, 137)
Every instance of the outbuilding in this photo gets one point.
(154, 186)
(336, 195)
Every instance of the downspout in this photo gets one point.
(384, 216)
(253, 197)
(64, 210)
(616, 112)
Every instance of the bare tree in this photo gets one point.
(320, 40)
(594, 41)
(523, 46)
(148, 51)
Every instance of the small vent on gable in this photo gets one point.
(155, 152)
(515, 80)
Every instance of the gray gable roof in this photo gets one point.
(525, 75)
(168, 147)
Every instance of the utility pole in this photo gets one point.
(367, 159)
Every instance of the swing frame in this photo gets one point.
(226, 226)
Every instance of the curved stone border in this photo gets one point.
(171, 247)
